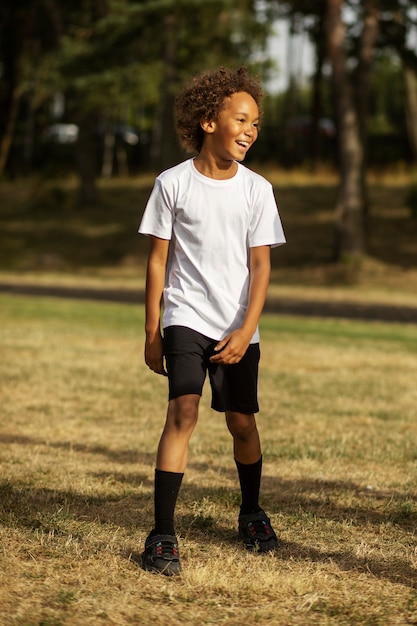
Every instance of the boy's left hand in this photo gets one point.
(231, 349)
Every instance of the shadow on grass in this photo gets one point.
(320, 499)
(65, 512)
(393, 570)
(44, 232)
(119, 456)
(49, 509)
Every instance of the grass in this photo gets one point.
(79, 424)
(81, 416)
(45, 239)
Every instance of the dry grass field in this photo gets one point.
(81, 415)
(79, 424)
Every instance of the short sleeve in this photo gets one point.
(265, 226)
(158, 215)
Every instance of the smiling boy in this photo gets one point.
(211, 223)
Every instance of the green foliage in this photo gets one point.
(124, 59)
(387, 95)
(105, 61)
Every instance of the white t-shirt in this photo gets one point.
(211, 224)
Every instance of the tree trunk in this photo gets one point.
(8, 131)
(410, 80)
(366, 54)
(316, 111)
(121, 158)
(349, 244)
(367, 43)
(164, 148)
(87, 159)
(108, 154)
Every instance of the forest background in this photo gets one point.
(87, 87)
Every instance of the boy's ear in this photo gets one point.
(208, 126)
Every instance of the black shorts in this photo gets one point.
(187, 356)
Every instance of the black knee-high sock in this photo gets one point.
(167, 486)
(250, 484)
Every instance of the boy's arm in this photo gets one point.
(232, 348)
(155, 281)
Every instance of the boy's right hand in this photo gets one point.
(154, 354)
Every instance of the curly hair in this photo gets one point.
(203, 98)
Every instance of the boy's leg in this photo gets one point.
(172, 459)
(161, 548)
(248, 457)
(255, 528)
(180, 422)
(185, 361)
(246, 442)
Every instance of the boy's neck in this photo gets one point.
(212, 168)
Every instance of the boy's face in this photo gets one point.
(236, 129)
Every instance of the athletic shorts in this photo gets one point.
(187, 356)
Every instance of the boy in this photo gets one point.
(211, 223)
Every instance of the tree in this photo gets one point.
(365, 54)
(350, 244)
(397, 20)
(27, 33)
(119, 56)
(220, 32)
(410, 80)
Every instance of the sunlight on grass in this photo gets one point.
(80, 420)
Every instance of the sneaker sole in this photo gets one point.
(170, 569)
(260, 547)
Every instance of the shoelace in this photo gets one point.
(259, 527)
(167, 550)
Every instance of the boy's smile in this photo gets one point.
(228, 138)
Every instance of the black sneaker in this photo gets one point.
(161, 555)
(256, 532)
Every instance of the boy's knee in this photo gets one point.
(241, 426)
(183, 411)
